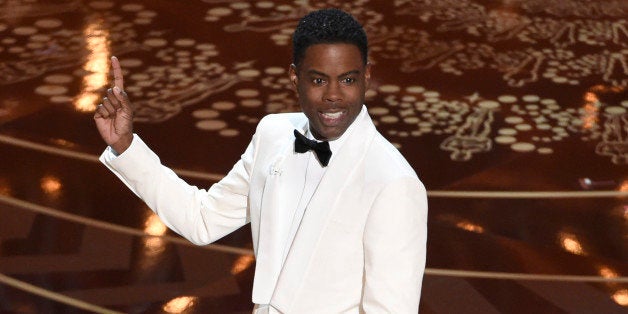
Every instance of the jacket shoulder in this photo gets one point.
(275, 129)
(281, 121)
(392, 164)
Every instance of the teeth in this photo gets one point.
(332, 115)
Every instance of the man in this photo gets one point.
(339, 233)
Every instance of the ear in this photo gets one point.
(294, 78)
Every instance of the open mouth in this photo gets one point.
(331, 118)
(332, 115)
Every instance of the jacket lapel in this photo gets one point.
(281, 193)
(317, 213)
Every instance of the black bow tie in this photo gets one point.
(303, 144)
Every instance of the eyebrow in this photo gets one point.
(314, 72)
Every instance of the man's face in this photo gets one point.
(331, 83)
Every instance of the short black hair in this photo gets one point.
(327, 26)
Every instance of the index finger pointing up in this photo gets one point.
(118, 80)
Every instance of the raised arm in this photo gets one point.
(202, 216)
(114, 117)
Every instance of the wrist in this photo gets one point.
(123, 143)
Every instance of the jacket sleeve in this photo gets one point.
(201, 216)
(395, 238)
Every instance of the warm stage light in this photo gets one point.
(621, 297)
(51, 185)
(243, 262)
(180, 304)
(96, 67)
(571, 244)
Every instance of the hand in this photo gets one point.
(114, 117)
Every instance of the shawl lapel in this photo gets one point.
(316, 215)
(281, 192)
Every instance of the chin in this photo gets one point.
(331, 135)
(328, 133)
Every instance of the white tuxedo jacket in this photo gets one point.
(361, 243)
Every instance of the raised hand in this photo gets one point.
(114, 117)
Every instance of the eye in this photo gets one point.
(318, 81)
(348, 80)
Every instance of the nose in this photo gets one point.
(333, 92)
